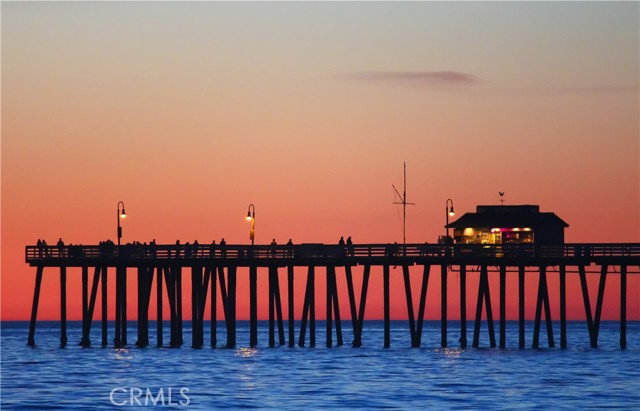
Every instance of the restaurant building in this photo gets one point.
(508, 224)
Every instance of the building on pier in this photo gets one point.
(509, 224)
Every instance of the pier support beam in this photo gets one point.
(333, 308)
(253, 306)
(145, 281)
(387, 316)
(357, 316)
(291, 320)
(104, 307)
(521, 333)
(121, 307)
(543, 299)
(275, 308)
(593, 322)
(563, 306)
(463, 306)
(87, 315)
(309, 311)
(34, 307)
(503, 306)
(443, 306)
(63, 306)
(484, 295)
(623, 307)
(159, 303)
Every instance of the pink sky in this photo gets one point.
(189, 112)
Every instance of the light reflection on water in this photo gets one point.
(341, 377)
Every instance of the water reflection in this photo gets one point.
(122, 354)
(246, 352)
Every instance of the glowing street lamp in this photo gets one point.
(121, 214)
(448, 212)
(251, 216)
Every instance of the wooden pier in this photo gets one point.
(213, 266)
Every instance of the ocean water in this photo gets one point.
(48, 377)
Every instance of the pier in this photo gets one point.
(210, 267)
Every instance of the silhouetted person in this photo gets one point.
(44, 247)
(178, 248)
(60, 245)
(223, 248)
(39, 248)
(273, 247)
(349, 245)
(212, 249)
(152, 248)
(195, 248)
(341, 242)
(187, 250)
(290, 247)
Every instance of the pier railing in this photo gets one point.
(36, 255)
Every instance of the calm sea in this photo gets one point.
(370, 377)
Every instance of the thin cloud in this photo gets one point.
(427, 78)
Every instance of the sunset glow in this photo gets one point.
(188, 112)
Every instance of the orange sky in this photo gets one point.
(189, 112)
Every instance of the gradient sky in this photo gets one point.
(188, 112)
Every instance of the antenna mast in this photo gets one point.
(403, 201)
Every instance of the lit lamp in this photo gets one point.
(121, 214)
(251, 216)
(448, 212)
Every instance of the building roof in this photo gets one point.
(497, 216)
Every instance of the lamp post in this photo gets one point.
(448, 212)
(251, 216)
(121, 214)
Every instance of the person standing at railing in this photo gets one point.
(60, 245)
(349, 246)
(290, 248)
(196, 247)
(178, 246)
(212, 249)
(39, 244)
(273, 247)
(45, 247)
(223, 248)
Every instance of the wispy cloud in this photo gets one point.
(426, 78)
(632, 88)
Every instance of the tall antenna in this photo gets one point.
(403, 201)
